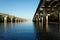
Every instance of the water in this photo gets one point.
(29, 31)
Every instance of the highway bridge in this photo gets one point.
(10, 18)
(47, 11)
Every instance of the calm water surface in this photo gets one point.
(29, 31)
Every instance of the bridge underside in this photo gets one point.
(48, 11)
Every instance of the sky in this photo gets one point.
(19, 8)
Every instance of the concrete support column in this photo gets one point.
(18, 20)
(44, 14)
(39, 19)
(47, 19)
(5, 19)
(36, 19)
(11, 19)
(47, 29)
(46, 23)
(42, 20)
(15, 19)
(21, 20)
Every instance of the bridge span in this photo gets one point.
(47, 11)
(10, 18)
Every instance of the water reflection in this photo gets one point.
(59, 27)
(5, 26)
(29, 31)
(47, 28)
(48, 31)
(17, 31)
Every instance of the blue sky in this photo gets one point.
(20, 8)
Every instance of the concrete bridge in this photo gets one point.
(10, 18)
(47, 10)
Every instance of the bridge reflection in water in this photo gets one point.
(48, 31)
(29, 31)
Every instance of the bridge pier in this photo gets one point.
(12, 19)
(1, 18)
(19, 20)
(15, 19)
(48, 7)
(39, 19)
(42, 20)
(47, 16)
(5, 18)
